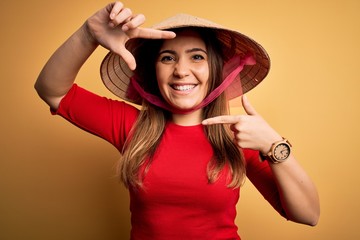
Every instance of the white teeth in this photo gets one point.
(183, 87)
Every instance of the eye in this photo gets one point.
(166, 58)
(198, 57)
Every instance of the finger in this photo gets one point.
(249, 109)
(149, 33)
(126, 56)
(121, 17)
(116, 9)
(234, 129)
(133, 22)
(226, 119)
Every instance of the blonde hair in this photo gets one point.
(139, 150)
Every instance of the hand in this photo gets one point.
(114, 25)
(250, 130)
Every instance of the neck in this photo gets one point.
(189, 119)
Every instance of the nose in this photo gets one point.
(181, 68)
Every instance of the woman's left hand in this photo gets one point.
(297, 193)
(250, 129)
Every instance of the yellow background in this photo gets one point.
(56, 181)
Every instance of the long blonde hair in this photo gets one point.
(139, 150)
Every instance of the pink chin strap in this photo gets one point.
(231, 70)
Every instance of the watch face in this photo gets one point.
(281, 151)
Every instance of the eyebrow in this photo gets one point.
(187, 51)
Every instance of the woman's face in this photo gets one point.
(182, 70)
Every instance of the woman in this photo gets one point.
(183, 157)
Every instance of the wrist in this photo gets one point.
(86, 35)
(269, 143)
(279, 152)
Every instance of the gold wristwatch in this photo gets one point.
(279, 152)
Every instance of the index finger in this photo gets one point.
(133, 23)
(149, 33)
(225, 119)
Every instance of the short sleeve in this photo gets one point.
(103, 117)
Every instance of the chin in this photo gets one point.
(184, 107)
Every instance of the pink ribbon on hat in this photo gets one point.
(231, 70)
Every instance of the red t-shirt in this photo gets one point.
(176, 202)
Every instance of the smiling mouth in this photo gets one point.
(183, 87)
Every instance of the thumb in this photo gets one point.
(249, 109)
(126, 56)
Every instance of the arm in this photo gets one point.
(58, 74)
(297, 193)
(110, 27)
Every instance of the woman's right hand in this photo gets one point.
(110, 27)
(114, 25)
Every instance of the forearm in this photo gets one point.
(298, 194)
(59, 73)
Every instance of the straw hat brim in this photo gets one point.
(116, 75)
